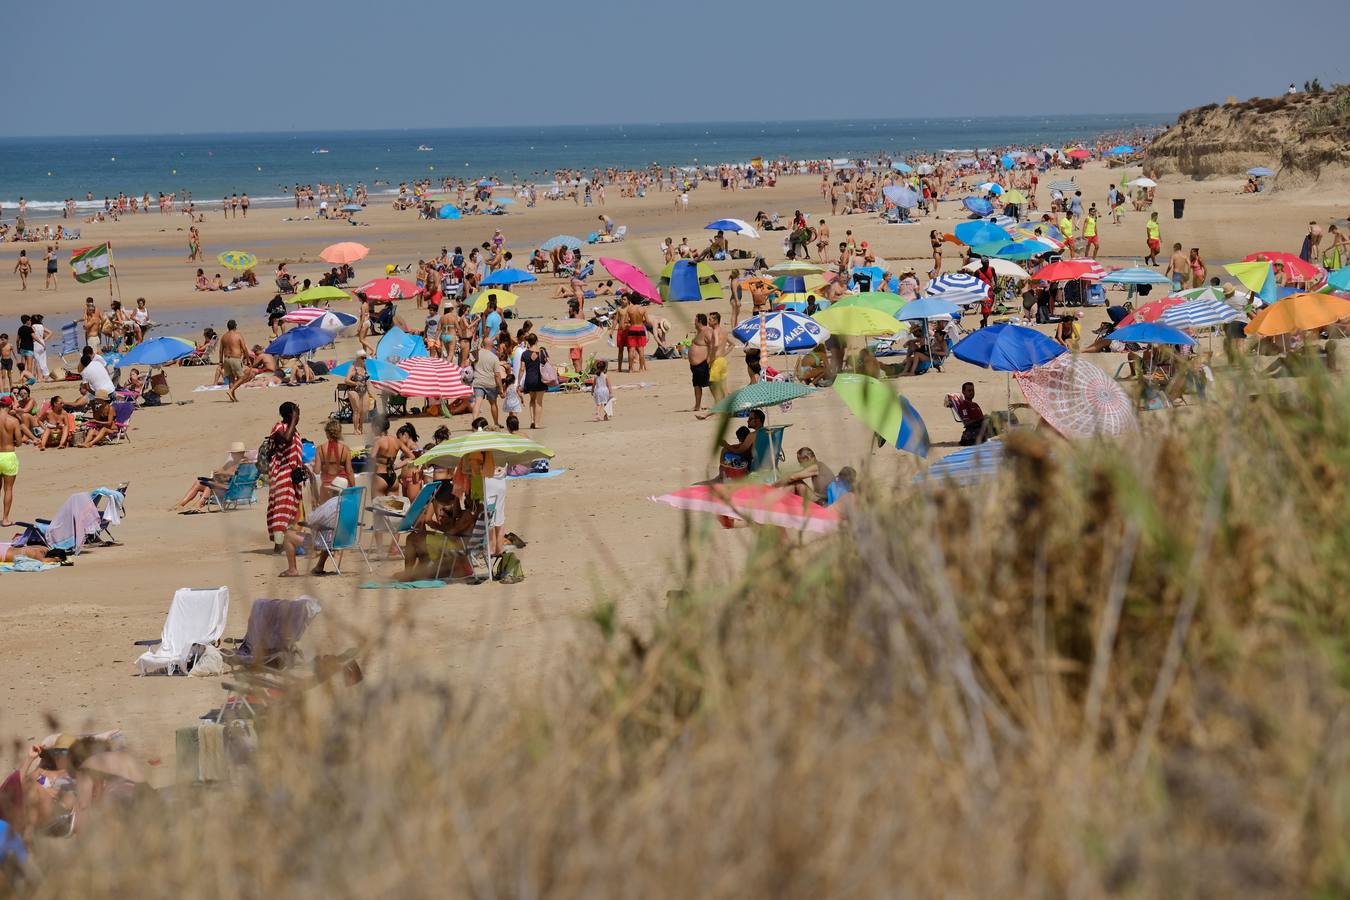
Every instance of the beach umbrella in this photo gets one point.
(904, 168)
(856, 320)
(1120, 150)
(967, 465)
(508, 276)
(299, 341)
(1064, 187)
(1070, 270)
(1080, 153)
(796, 267)
(1340, 279)
(923, 169)
(1006, 161)
(929, 308)
(506, 449)
(1295, 269)
(1300, 312)
(1152, 333)
(977, 205)
(954, 282)
(377, 369)
(333, 322)
(797, 301)
(686, 281)
(1014, 196)
(567, 333)
(344, 253)
(478, 303)
(238, 260)
(157, 351)
(795, 284)
(1260, 172)
(735, 226)
(562, 240)
(1034, 231)
(1257, 277)
(1144, 183)
(305, 314)
(990, 187)
(873, 274)
(631, 277)
(1003, 268)
(1208, 292)
(972, 233)
(887, 304)
(1198, 314)
(1135, 275)
(427, 376)
(319, 294)
(397, 345)
(1007, 348)
(758, 503)
(780, 332)
(903, 197)
(762, 394)
(1151, 311)
(389, 289)
(1019, 250)
(1077, 399)
(878, 407)
(449, 211)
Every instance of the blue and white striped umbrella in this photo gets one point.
(781, 332)
(960, 288)
(1198, 314)
(1008, 223)
(1136, 275)
(966, 466)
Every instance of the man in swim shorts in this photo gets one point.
(700, 358)
(635, 335)
(11, 435)
(232, 353)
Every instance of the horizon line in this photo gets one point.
(469, 128)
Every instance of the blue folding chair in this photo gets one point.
(242, 488)
(768, 451)
(347, 534)
(408, 521)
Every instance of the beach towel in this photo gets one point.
(402, 585)
(25, 564)
(549, 474)
(275, 626)
(113, 514)
(196, 616)
(74, 521)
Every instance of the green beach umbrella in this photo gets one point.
(1014, 196)
(762, 394)
(505, 448)
(881, 409)
(319, 294)
(890, 304)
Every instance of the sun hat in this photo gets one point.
(360, 354)
(238, 447)
(339, 484)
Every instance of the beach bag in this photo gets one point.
(509, 569)
(548, 373)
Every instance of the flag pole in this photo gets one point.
(113, 269)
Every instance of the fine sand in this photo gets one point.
(66, 636)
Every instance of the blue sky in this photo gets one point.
(150, 66)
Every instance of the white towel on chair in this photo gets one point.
(196, 616)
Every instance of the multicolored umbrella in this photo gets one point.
(966, 466)
(1299, 312)
(735, 226)
(797, 284)
(1295, 269)
(1151, 311)
(796, 267)
(687, 281)
(428, 376)
(888, 414)
(856, 320)
(389, 289)
(344, 253)
(478, 303)
(306, 315)
(567, 333)
(758, 503)
(631, 277)
(1077, 399)
(781, 332)
(319, 294)
(1257, 277)
(505, 448)
(238, 260)
(762, 394)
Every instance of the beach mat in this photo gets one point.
(549, 474)
(402, 585)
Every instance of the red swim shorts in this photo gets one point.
(637, 338)
(1154, 244)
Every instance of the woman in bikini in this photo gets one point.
(335, 459)
(410, 476)
(385, 455)
(935, 241)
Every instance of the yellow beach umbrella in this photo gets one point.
(237, 260)
(1299, 312)
(857, 320)
(1014, 196)
(479, 301)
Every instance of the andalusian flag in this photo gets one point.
(90, 263)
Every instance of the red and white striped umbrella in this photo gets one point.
(428, 377)
(304, 315)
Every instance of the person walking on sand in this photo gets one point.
(1153, 237)
(286, 474)
(600, 392)
(233, 351)
(1092, 242)
(1198, 269)
(700, 358)
(23, 267)
(1177, 268)
(50, 259)
(533, 363)
(11, 435)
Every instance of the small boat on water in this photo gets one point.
(423, 148)
(319, 150)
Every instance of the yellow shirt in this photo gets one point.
(1090, 226)
(1152, 227)
(1066, 227)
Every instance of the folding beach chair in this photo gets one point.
(195, 622)
(274, 629)
(347, 534)
(68, 530)
(619, 234)
(122, 410)
(475, 547)
(242, 488)
(385, 519)
(71, 344)
(768, 452)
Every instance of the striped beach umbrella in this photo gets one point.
(428, 376)
(1136, 275)
(304, 315)
(781, 332)
(238, 260)
(505, 448)
(567, 333)
(1064, 187)
(953, 281)
(1199, 314)
(967, 466)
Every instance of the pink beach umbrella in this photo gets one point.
(389, 289)
(344, 253)
(757, 503)
(631, 277)
(1077, 399)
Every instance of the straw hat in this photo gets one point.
(339, 484)
(238, 447)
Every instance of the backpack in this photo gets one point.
(508, 569)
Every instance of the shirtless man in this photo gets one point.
(635, 334)
(93, 324)
(232, 353)
(700, 358)
(760, 292)
(822, 238)
(11, 435)
(1178, 267)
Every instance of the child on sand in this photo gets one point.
(510, 395)
(604, 401)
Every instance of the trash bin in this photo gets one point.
(1178, 208)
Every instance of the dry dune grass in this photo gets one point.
(1120, 670)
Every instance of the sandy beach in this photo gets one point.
(66, 636)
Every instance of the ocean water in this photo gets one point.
(46, 171)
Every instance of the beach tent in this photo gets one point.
(684, 280)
